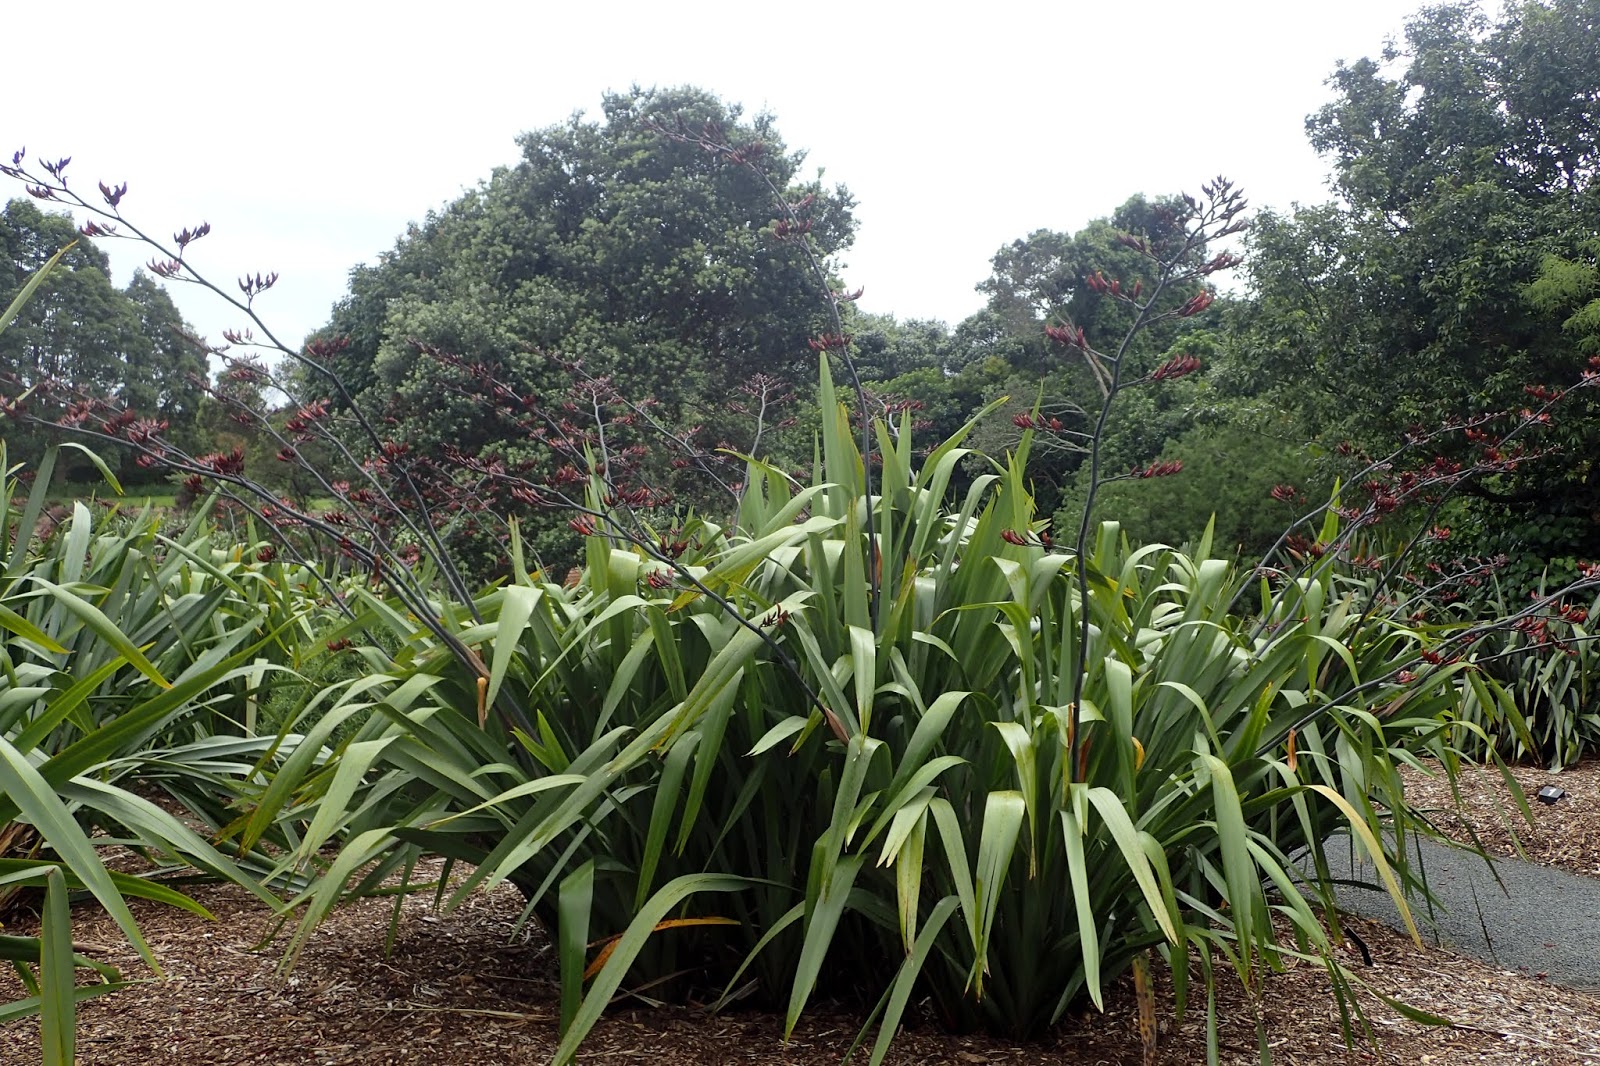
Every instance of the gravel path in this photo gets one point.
(1539, 920)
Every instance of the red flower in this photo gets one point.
(829, 342)
(1067, 335)
(1176, 367)
(230, 464)
(1159, 469)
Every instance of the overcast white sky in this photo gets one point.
(308, 135)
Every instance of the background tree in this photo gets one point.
(656, 264)
(164, 369)
(81, 335)
(1464, 157)
(1053, 277)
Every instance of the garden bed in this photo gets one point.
(456, 989)
(1564, 834)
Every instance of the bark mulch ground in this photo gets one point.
(1565, 834)
(456, 989)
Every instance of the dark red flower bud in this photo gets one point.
(829, 342)
(1197, 303)
(186, 236)
(1176, 367)
(1159, 469)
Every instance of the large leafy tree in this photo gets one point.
(81, 335)
(1045, 277)
(74, 329)
(1051, 277)
(1464, 157)
(164, 370)
(613, 242)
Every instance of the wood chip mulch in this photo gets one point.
(1564, 834)
(458, 989)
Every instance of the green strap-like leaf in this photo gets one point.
(104, 628)
(58, 1022)
(1088, 929)
(20, 300)
(39, 804)
(906, 979)
(1115, 816)
(609, 979)
(573, 905)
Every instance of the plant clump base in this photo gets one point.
(457, 988)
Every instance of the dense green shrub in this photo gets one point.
(1541, 700)
(1229, 472)
(130, 665)
(667, 786)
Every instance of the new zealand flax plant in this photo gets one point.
(116, 642)
(818, 804)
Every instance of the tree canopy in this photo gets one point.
(81, 335)
(609, 241)
(1455, 275)
(1465, 159)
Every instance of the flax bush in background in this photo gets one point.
(1544, 701)
(126, 651)
(131, 667)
